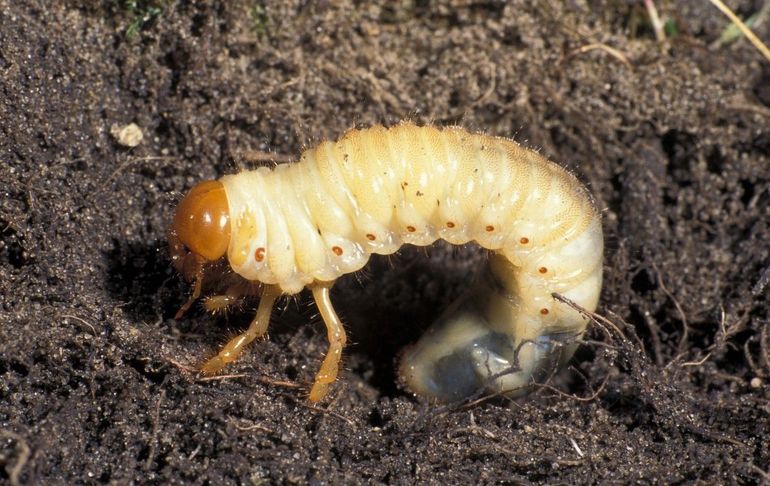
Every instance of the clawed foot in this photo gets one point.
(213, 366)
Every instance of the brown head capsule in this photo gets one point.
(200, 232)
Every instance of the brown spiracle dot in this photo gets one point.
(490, 228)
(450, 224)
(370, 237)
(337, 250)
(544, 311)
(542, 270)
(259, 254)
(524, 240)
(411, 229)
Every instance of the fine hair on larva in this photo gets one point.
(306, 224)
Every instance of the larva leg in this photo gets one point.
(231, 297)
(258, 327)
(336, 334)
(219, 303)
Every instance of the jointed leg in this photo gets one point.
(218, 304)
(232, 296)
(258, 327)
(336, 334)
(197, 287)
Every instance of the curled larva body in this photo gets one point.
(306, 224)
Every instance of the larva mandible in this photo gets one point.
(308, 223)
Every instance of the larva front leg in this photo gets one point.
(258, 327)
(337, 339)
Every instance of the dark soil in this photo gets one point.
(95, 374)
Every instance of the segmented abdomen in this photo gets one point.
(376, 189)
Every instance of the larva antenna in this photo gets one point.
(195, 295)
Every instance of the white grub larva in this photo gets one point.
(308, 223)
